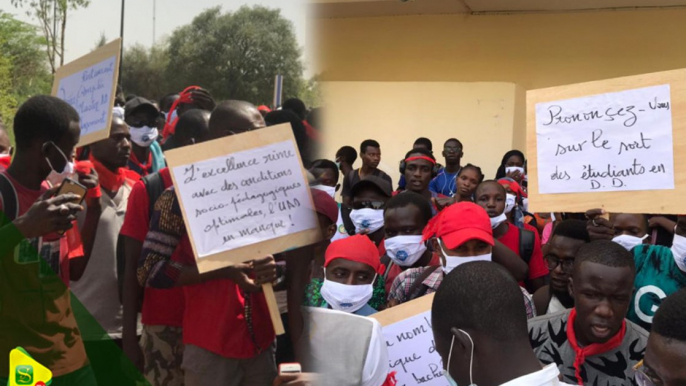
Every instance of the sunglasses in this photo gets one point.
(369, 205)
(553, 262)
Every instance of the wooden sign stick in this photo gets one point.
(273, 308)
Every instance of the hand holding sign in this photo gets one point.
(244, 197)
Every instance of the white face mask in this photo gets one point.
(55, 178)
(629, 242)
(405, 250)
(367, 219)
(118, 112)
(511, 169)
(330, 190)
(344, 297)
(525, 204)
(679, 251)
(496, 221)
(452, 262)
(143, 136)
(510, 202)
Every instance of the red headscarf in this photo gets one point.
(184, 98)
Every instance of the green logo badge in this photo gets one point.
(24, 375)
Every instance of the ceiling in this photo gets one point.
(369, 8)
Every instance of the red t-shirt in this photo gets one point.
(537, 267)
(35, 304)
(214, 318)
(161, 307)
(396, 270)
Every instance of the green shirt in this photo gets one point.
(657, 276)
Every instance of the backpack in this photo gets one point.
(527, 240)
(154, 185)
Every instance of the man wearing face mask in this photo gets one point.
(460, 233)
(660, 271)
(239, 350)
(492, 196)
(350, 270)
(36, 311)
(369, 197)
(480, 330)
(593, 344)
(338, 342)
(405, 217)
(146, 155)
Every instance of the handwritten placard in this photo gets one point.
(410, 343)
(89, 85)
(608, 142)
(244, 197)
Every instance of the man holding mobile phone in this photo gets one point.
(36, 311)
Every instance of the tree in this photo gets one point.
(23, 68)
(143, 71)
(101, 42)
(236, 55)
(52, 16)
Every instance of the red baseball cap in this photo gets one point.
(357, 248)
(459, 223)
(325, 205)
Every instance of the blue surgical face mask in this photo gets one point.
(450, 379)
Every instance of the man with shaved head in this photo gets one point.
(228, 335)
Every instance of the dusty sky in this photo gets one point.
(84, 26)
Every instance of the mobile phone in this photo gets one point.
(71, 186)
(289, 368)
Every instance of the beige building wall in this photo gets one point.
(531, 50)
(397, 78)
(480, 115)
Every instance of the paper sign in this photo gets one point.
(89, 85)
(244, 197)
(410, 343)
(609, 142)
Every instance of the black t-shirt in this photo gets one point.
(354, 176)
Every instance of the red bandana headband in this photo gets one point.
(433, 161)
(184, 98)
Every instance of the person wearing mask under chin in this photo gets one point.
(146, 155)
(461, 234)
(660, 271)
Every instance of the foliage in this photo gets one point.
(143, 71)
(101, 41)
(236, 55)
(52, 16)
(23, 68)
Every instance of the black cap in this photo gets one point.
(139, 103)
(383, 185)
